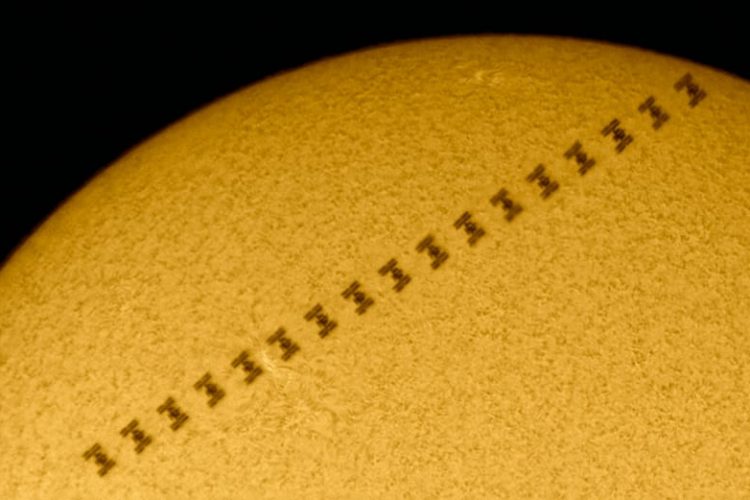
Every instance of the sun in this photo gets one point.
(462, 267)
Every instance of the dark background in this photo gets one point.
(84, 90)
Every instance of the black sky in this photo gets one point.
(84, 90)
